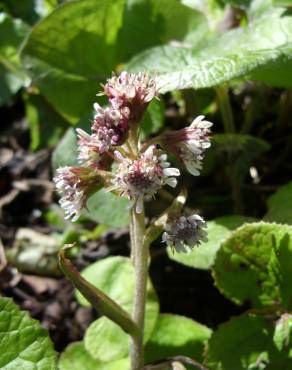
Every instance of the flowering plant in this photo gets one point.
(141, 171)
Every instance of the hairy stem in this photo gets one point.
(225, 107)
(141, 255)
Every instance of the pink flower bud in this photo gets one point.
(189, 143)
(132, 92)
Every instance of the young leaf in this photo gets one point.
(241, 343)
(244, 268)
(176, 335)
(203, 256)
(115, 277)
(75, 357)
(280, 205)
(97, 298)
(24, 343)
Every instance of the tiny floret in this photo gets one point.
(141, 179)
(189, 143)
(185, 232)
(110, 127)
(132, 92)
(74, 185)
(88, 149)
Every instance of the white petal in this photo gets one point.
(171, 171)
(171, 181)
(197, 120)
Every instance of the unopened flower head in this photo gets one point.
(185, 232)
(74, 185)
(189, 143)
(88, 148)
(110, 127)
(132, 91)
(140, 179)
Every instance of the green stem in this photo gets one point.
(141, 256)
(225, 107)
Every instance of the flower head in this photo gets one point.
(132, 92)
(183, 232)
(140, 179)
(189, 143)
(74, 185)
(88, 148)
(110, 127)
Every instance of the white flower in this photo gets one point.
(185, 232)
(74, 185)
(189, 143)
(141, 179)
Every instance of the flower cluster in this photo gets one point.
(185, 232)
(189, 143)
(131, 93)
(128, 95)
(140, 173)
(140, 179)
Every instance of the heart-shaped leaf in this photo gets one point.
(24, 343)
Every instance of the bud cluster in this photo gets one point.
(140, 173)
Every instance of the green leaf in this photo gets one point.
(283, 3)
(12, 76)
(80, 43)
(244, 268)
(176, 335)
(281, 261)
(115, 277)
(24, 343)
(46, 126)
(75, 357)
(223, 57)
(158, 22)
(96, 297)
(109, 209)
(153, 119)
(218, 230)
(104, 207)
(280, 205)
(72, 50)
(240, 344)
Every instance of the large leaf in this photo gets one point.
(245, 268)
(104, 207)
(244, 343)
(71, 50)
(24, 343)
(236, 53)
(176, 335)
(81, 43)
(280, 205)
(115, 277)
(12, 76)
(75, 357)
(204, 255)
